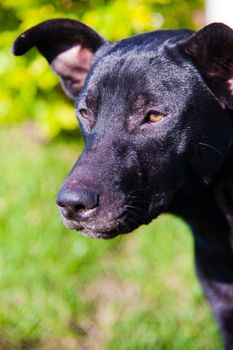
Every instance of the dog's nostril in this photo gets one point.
(77, 204)
(67, 213)
(60, 204)
(79, 207)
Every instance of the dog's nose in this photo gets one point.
(78, 204)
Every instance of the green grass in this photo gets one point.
(60, 290)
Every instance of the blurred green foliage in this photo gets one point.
(29, 90)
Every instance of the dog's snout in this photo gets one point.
(77, 204)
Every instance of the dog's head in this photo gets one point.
(153, 109)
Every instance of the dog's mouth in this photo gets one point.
(106, 221)
(103, 229)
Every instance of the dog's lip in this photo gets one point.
(92, 230)
(109, 230)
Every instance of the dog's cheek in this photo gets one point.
(206, 163)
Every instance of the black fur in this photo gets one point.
(133, 168)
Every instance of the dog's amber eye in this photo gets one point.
(84, 113)
(154, 116)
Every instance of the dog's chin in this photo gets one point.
(99, 235)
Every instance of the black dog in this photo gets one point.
(156, 114)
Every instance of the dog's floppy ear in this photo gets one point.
(68, 46)
(211, 49)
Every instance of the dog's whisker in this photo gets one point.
(134, 222)
(132, 208)
(140, 201)
(212, 147)
(124, 224)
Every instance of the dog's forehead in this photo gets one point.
(136, 75)
(130, 62)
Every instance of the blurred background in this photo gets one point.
(59, 290)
